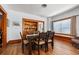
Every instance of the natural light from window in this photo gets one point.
(62, 26)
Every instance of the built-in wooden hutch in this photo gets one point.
(30, 25)
(3, 27)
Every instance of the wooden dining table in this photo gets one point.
(31, 38)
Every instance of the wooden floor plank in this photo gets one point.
(60, 48)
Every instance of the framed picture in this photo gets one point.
(16, 23)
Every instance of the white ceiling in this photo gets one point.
(37, 9)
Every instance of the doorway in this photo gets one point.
(3, 27)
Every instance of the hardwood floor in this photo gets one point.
(60, 48)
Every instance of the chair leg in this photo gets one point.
(41, 46)
(38, 50)
(46, 47)
(52, 44)
(30, 49)
(22, 48)
(33, 47)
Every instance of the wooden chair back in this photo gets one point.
(43, 36)
(50, 34)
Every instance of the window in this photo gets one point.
(62, 26)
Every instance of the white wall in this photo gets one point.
(40, 26)
(68, 14)
(13, 31)
(49, 24)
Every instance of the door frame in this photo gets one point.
(4, 27)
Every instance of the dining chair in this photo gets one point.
(41, 40)
(24, 42)
(31, 43)
(50, 36)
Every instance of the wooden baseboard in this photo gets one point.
(14, 41)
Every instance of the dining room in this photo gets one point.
(38, 29)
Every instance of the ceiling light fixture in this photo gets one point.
(44, 5)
